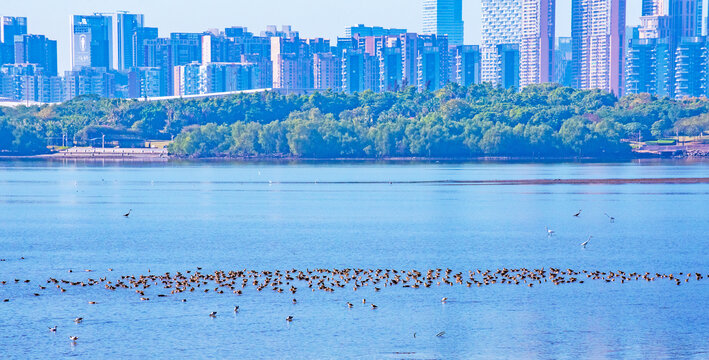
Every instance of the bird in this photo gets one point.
(441, 334)
(586, 242)
(578, 213)
(295, 301)
(53, 329)
(444, 299)
(289, 318)
(73, 338)
(349, 305)
(236, 308)
(92, 302)
(414, 335)
(374, 306)
(78, 320)
(213, 314)
(549, 231)
(128, 213)
(364, 301)
(612, 219)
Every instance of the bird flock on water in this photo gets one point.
(292, 281)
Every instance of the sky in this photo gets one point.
(312, 18)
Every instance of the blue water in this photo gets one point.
(233, 216)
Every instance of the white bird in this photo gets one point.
(444, 299)
(74, 338)
(612, 219)
(53, 329)
(549, 231)
(586, 242)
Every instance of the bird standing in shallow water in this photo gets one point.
(549, 231)
(289, 318)
(78, 320)
(53, 329)
(578, 213)
(586, 242)
(74, 338)
(213, 314)
(128, 213)
(610, 218)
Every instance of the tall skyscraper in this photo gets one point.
(444, 17)
(537, 42)
(10, 26)
(126, 26)
(91, 41)
(653, 7)
(598, 40)
(501, 24)
(37, 49)
(685, 18)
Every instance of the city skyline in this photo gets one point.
(53, 19)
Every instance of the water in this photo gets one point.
(233, 216)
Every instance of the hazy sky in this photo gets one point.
(313, 18)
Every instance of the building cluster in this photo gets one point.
(117, 55)
(668, 54)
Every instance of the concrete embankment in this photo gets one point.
(117, 154)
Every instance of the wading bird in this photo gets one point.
(53, 329)
(549, 231)
(612, 219)
(128, 213)
(578, 214)
(586, 242)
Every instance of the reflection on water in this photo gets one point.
(265, 217)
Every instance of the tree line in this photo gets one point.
(539, 121)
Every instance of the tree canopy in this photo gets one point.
(480, 120)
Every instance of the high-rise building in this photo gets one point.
(224, 77)
(501, 24)
(537, 42)
(186, 78)
(648, 67)
(562, 62)
(409, 59)
(139, 48)
(508, 55)
(598, 41)
(685, 18)
(144, 82)
(10, 26)
(467, 65)
(186, 48)
(292, 63)
(89, 81)
(444, 17)
(433, 62)
(691, 67)
(92, 41)
(327, 71)
(37, 49)
(126, 26)
(390, 73)
(653, 7)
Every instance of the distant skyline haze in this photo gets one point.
(312, 18)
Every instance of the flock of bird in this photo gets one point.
(330, 280)
(293, 281)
